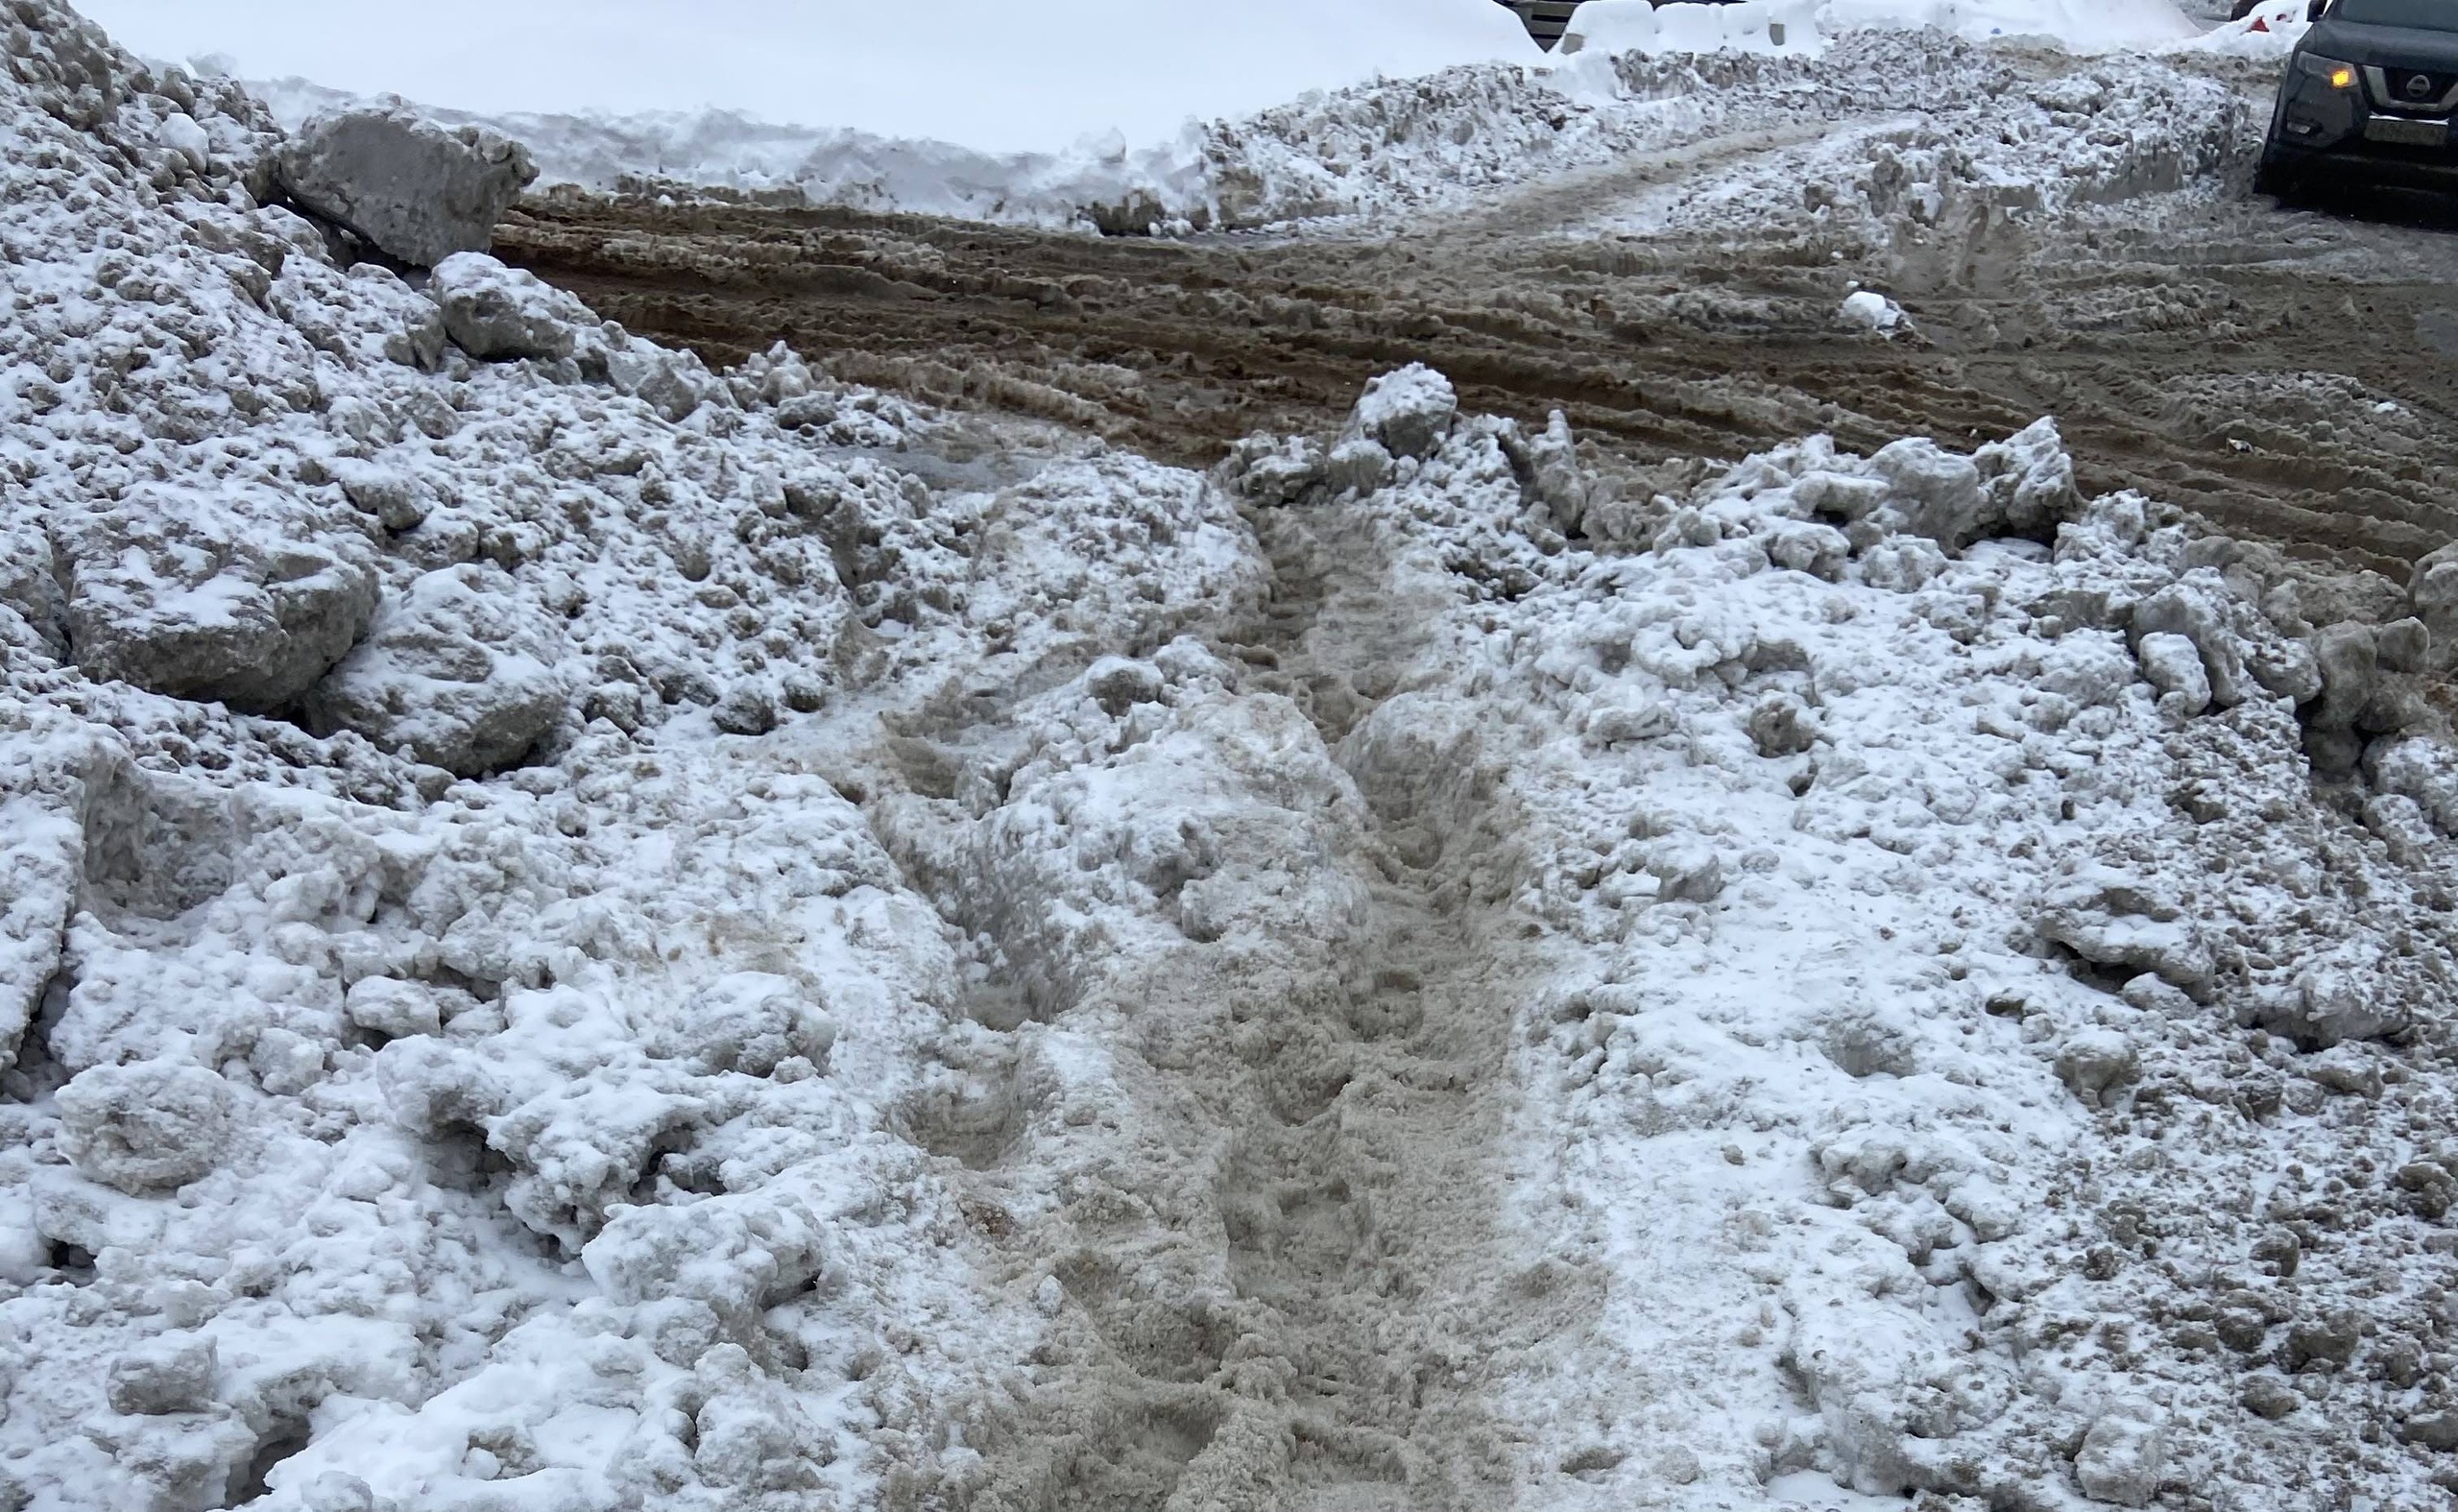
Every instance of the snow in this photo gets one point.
(1870, 308)
(2089, 25)
(1756, 26)
(1778, 26)
(757, 975)
(1110, 127)
(2270, 29)
(991, 77)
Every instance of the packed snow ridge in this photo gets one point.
(583, 933)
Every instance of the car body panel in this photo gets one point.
(2390, 126)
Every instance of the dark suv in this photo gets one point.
(2369, 95)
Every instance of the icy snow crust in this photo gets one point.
(583, 934)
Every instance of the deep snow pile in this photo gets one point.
(728, 152)
(407, 1133)
(2085, 26)
(2105, 130)
(1977, 1056)
(586, 934)
(1995, 148)
(2091, 26)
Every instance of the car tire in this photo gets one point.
(2274, 178)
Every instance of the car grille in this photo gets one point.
(2396, 88)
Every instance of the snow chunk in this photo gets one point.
(498, 313)
(164, 1374)
(2420, 769)
(747, 1021)
(367, 314)
(394, 1008)
(1871, 311)
(41, 848)
(736, 1254)
(2184, 610)
(418, 190)
(2173, 664)
(210, 599)
(2331, 1001)
(2112, 921)
(2122, 1458)
(2096, 1063)
(1408, 411)
(145, 1127)
(459, 669)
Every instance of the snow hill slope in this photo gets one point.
(587, 934)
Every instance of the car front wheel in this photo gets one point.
(2275, 179)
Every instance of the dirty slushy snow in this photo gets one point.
(584, 933)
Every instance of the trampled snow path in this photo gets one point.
(1262, 1259)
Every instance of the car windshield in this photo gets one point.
(2434, 15)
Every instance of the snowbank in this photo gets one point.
(1776, 26)
(1752, 26)
(995, 77)
(1923, 857)
(1400, 145)
(1278, 143)
(2083, 25)
(730, 152)
(2270, 29)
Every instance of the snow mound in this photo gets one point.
(2269, 30)
(1626, 26)
(382, 1139)
(999, 79)
(986, 973)
(1922, 853)
(1778, 26)
(2085, 26)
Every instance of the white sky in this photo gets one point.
(1001, 75)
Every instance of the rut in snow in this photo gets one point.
(1276, 1279)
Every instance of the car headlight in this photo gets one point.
(2329, 70)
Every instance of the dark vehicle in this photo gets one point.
(1543, 18)
(2368, 97)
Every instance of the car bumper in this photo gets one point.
(2369, 163)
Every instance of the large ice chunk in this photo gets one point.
(494, 312)
(419, 191)
(201, 597)
(1408, 411)
(144, 1127)
(459, 669)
